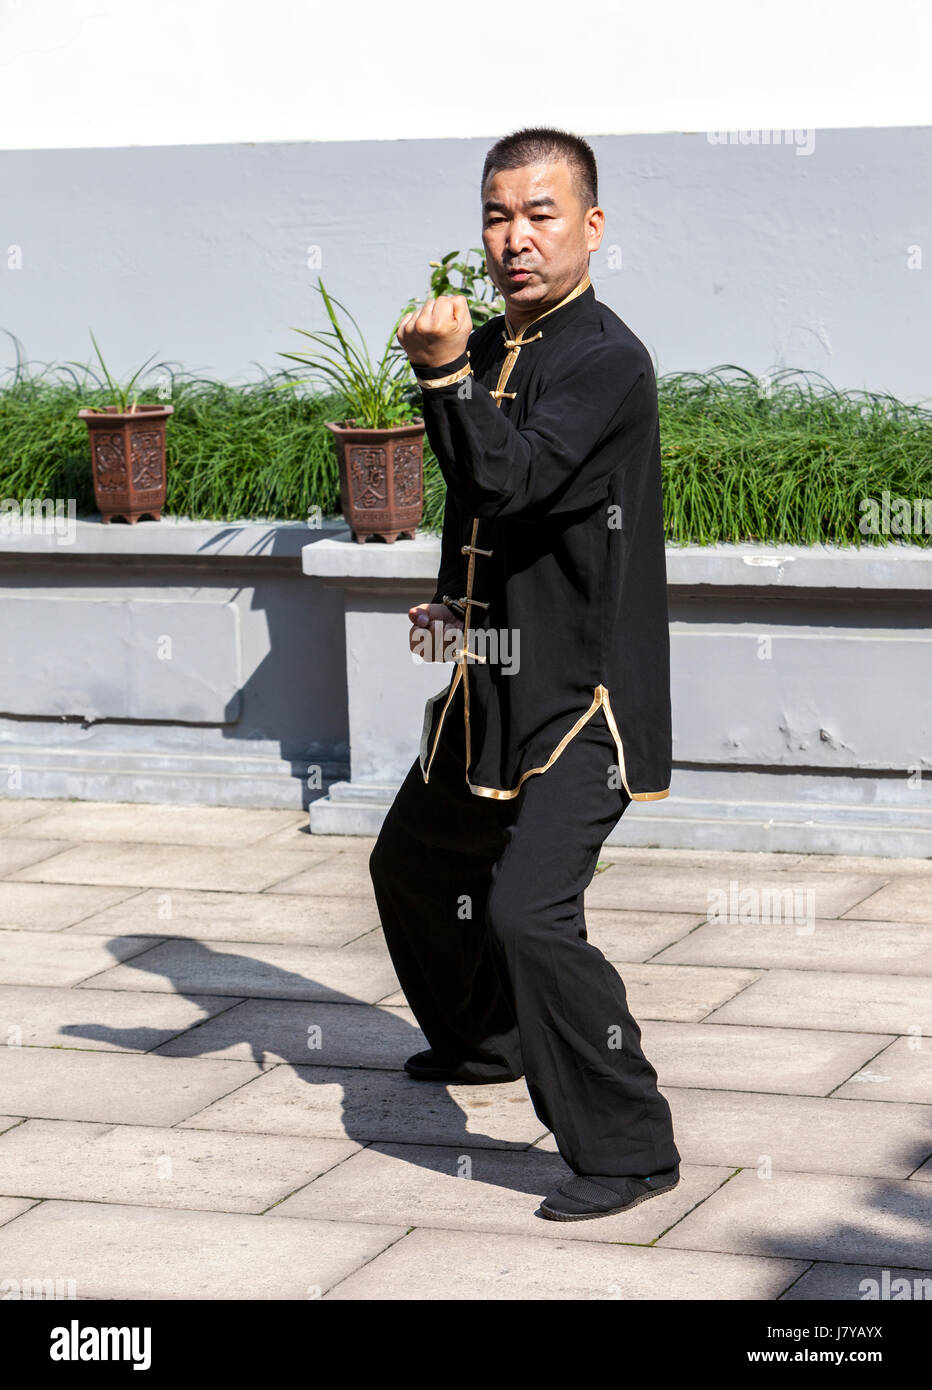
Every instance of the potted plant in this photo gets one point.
(380, 446)
(127, 451)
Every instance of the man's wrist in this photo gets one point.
(444, 374)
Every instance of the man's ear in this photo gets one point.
(595, 227)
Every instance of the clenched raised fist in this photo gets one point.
(436, 333)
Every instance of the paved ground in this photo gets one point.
(203, 1095)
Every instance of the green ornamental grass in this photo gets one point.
(785, 459)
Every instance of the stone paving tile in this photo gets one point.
(742, 862)
(246, 870)
(637, 935)
(259, 918)
(11, 1207)
(153, 823)
(315, 1032)
(15, 811)
(682, 994)
(430, 1265)
(15, 855)
(802, 1133)
(815, 1216)
(840, 944)
(115, 1021)
(113, 1087)
(901, 1072)
(157, 1167)
(835, 1283)
(488, 1189)
(770, 1061)
(364, 1105)
(299, 837)
(669, 888)
(54, 906)
(258, 972)
(60, 958)
(833, 999)
(728, 1057)
(127, 1252)
(343, 875)
(373, 937)
(890, 867)
(923, 1174)
(904, 900)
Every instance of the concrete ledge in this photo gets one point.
(171, 537)
(736, 566)
(328, 552)
(901, 567)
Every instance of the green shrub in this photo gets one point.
(786, 460)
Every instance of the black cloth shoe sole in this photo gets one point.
(466, 1073)
(579, 1198)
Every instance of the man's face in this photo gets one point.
(537, 236)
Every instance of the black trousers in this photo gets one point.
(481, 904)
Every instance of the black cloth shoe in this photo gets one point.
(431, 1066)
(582, 1197)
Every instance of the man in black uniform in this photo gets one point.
(552, 597)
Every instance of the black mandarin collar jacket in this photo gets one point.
(553, 544)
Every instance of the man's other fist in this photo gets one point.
(436, 632)
(436, 333)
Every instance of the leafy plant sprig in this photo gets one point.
(120, 393)
(379, 395)
(482, 296)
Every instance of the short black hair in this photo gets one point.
(539, 144)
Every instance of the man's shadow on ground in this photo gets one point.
(400, 1039)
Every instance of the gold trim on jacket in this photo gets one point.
(600, 700)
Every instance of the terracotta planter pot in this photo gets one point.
(128, 460)
(381, 479)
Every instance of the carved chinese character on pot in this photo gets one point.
(407, 475)
(367, 473)
(148, 452)
(109, 462)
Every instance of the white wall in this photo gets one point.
(206, 254)
(79, 73)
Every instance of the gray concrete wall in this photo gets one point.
(170, 662)
(762, 256)
(799, 679)
(224, 664)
